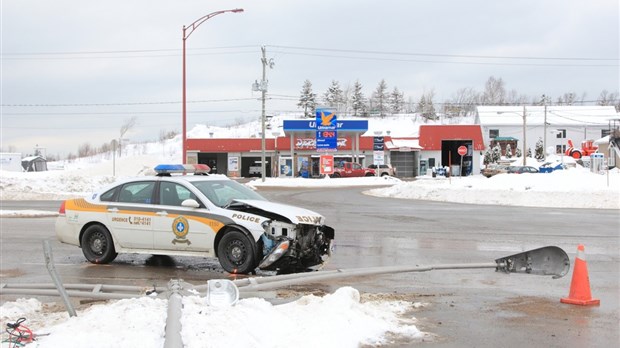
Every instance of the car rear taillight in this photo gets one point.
(61, 211)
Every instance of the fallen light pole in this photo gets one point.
(550, 260)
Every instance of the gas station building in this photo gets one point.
(294, 153)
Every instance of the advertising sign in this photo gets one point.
(327, 164)
(285, 167)
(326, 131)
(377, 144)
(378, 157)
(233, 164)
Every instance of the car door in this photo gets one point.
(181, 228)
(131, 215)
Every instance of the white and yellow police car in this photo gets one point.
(195, 215)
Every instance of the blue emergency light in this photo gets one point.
(166, 169)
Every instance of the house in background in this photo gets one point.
(554, 125)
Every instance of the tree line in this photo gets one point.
(382, 101)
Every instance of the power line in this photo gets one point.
(443, 55)
(443, 62)
(153, 53)
(127, 103)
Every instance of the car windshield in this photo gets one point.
(223, 192)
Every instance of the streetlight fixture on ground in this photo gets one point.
(187, 31)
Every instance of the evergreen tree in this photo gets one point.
(497, 153)
(426, 108)
(508, 151)
(307, 100)
(333, 96)
(488, 156)
(539, 150)
(358, 100)
(380, 99)
(529, 152)
(397, 101)
(518, 152)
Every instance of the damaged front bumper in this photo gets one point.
(293, 248)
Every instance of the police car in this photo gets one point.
(195, 215)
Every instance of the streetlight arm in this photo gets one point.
(188, 30)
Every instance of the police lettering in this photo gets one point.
(310, 219)
(246, 218)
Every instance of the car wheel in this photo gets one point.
(369, 174)
(236, 253)
(97, 245)
(385, 174)
(575, 154)
(335, 175)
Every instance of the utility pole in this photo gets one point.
(262, 119)
(524, 132)
(262, 86)
(544, 100)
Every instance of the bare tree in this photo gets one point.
(126, 127)
(463, 102)
(607, 98)
(494, 92)
(85, 150)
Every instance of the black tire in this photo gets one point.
(369, 174)
(335, 175)
(385, 174)
(237, 253)
(97, 245)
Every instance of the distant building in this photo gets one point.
(34, 164)
(554, 126)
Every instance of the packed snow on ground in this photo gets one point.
(341, 319)
(335, 320)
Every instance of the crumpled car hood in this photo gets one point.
(293, 213)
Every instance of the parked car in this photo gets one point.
(194, 215)
(494, 169)
(521, 169)
(383, 169)
(350, 170)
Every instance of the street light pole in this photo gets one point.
(524, 132)
(187, 31)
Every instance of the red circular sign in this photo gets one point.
(462, 150)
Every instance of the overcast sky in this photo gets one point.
(75, 71)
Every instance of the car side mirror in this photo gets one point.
(190, 203)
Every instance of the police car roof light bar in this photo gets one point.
(167, 169)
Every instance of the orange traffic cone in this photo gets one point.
(580, 284)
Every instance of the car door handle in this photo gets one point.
(113, 210)
(162, 213)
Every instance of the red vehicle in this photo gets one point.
(587, 148)
(350, 170)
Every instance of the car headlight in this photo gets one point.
(275, 254)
